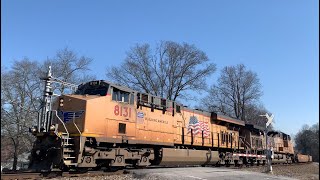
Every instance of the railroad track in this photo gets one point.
(47, 175)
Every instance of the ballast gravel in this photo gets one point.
(308, 171)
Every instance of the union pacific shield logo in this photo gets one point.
(140, 117)
(69, 115)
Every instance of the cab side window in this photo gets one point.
(178, 110)
(222, 137)
(118, 95)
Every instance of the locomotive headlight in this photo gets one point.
(52, 127)
(61, 102)
(33, 129)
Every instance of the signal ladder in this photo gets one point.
(69, 157)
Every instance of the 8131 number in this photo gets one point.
(122, 111)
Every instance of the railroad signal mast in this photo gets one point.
(45, 116)
(268, 150)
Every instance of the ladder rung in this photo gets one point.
(68, 144)
(68, 150)
(69, 157)
(71, 164)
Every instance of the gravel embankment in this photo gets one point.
(300, 171)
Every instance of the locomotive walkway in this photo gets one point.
(202, 173)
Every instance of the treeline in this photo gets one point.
(307, 141)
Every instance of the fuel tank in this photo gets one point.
(171, 156)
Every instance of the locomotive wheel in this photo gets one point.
(227, 163)
(96, 168)
(141, 167)
(251, 162)
(81, 170)
(64, 168)
(241, 162)
(114, 168)
(236, 163)
(246, 162)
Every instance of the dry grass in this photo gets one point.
(298, 171)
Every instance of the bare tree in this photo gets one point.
(237, 89)
(253, 112)
(307, 141)
(170, 71)
(68, 67)
(19, 93)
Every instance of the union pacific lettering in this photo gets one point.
(157, 120)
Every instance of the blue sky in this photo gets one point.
(279, 40)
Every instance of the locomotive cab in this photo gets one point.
(281, 142)
(93, 88)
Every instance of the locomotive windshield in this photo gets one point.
(93, 88)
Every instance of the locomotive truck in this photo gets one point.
(103, 124)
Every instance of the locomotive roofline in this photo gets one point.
(255, 128)
(220, 117)
(214, 116)
(277, 132)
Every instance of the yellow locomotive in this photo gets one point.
(106, 125)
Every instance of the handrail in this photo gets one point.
(74, 114)
(61, 121)
(244, 141)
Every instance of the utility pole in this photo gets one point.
(268, 151)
